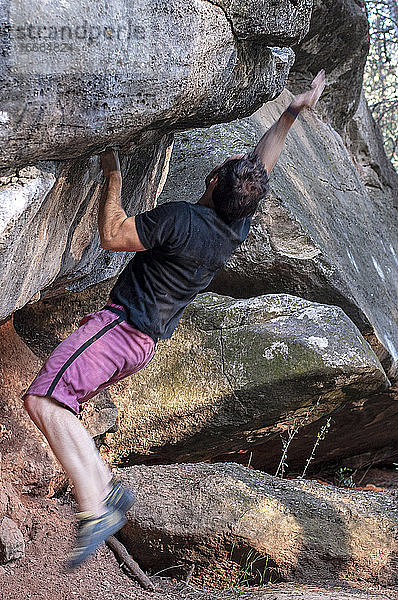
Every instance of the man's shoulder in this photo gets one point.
(175, 207)
(168, 211)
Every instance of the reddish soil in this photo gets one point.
(40, 574)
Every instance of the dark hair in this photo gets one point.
(242, 183)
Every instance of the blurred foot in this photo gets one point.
(92, 531)
(120, 497)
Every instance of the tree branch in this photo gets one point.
(134, 567)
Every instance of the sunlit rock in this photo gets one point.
(226, 518)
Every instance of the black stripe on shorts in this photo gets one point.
(117, 311)
(78, 352)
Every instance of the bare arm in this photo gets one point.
(117, 231)
(271, 144)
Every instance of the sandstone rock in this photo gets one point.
(163, 67)
(78, 78)
(218, 516)
(100, 416)
(49, 244)
(12, 544)
(235, 373)
(26, 458)
(274, 24)
(338, 41)
(319, 235)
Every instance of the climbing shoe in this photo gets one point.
(92, 531)
(119, 497)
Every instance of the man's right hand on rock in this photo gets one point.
(110, 162)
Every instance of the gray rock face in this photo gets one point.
(338, 41)
(275, 24)
(235, 373)
(218, 516)
(80, 77)
(319, 235)
(12, 544)
(77, 79)
(49, 243)
(364, 141)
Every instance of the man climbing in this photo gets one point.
(179, 246)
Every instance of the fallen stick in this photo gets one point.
(125, 557)
(190, 572)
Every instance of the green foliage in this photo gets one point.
(294, 426)
(344, 477)
(255, 569)
(381, 72)
(320, 436)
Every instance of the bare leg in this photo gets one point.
(74, 449)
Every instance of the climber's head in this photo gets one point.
(237, 185)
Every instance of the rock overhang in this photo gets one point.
(280, 23)
(77, 78)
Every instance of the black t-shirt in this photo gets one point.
(186, 244)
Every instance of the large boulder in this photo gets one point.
(76, 78)
(290, 591)
(319, 235)
(226, 518)
(235, 373)
(275, 23)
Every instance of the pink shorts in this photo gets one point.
(103, 350)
